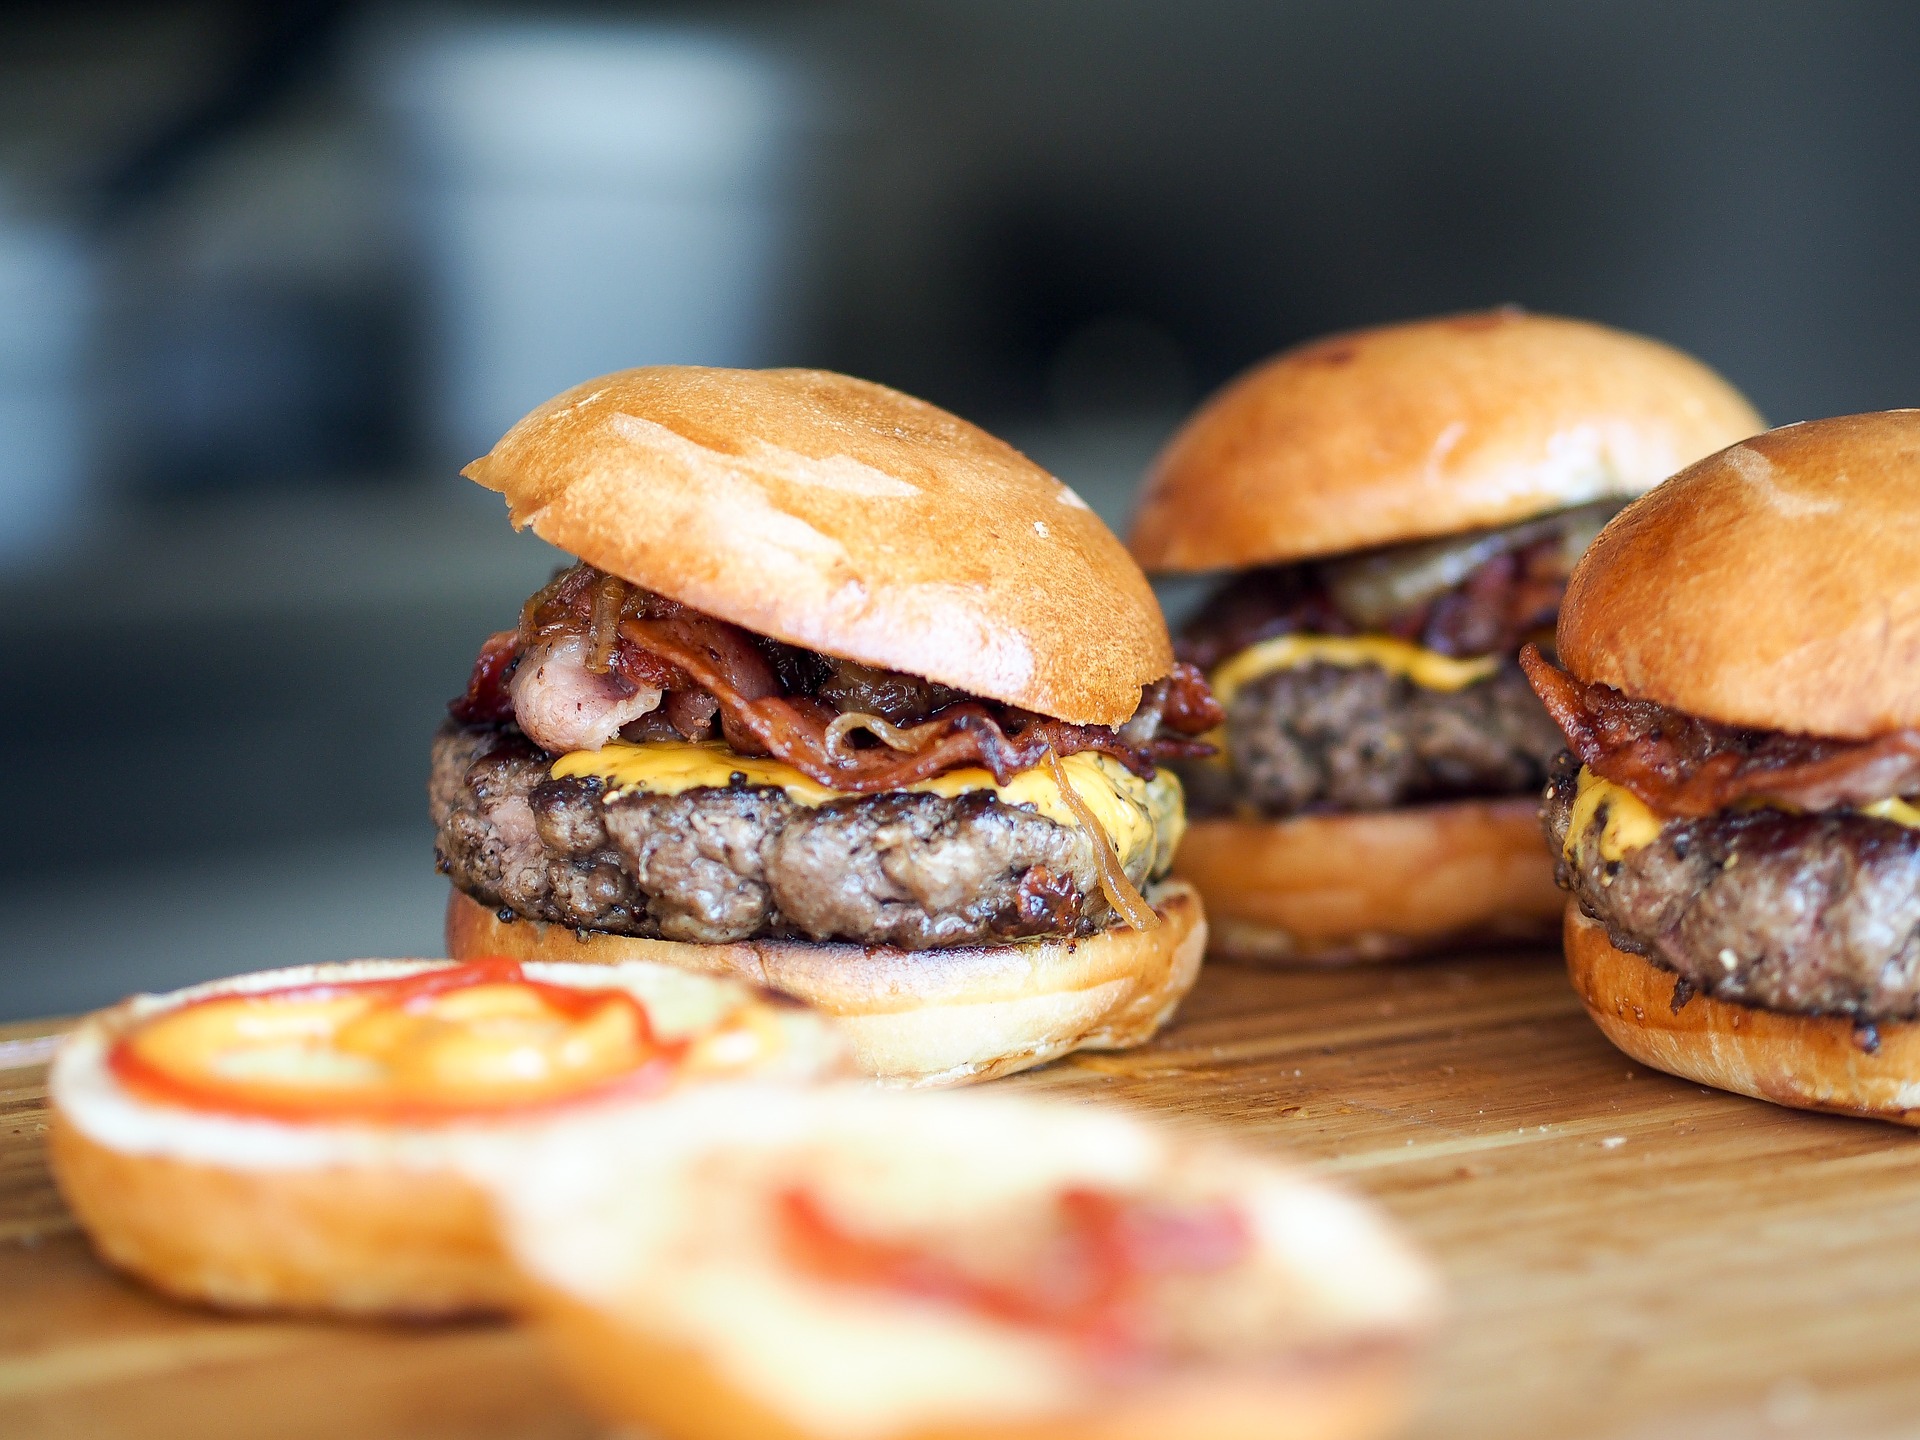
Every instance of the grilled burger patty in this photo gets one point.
(1357, 737)
(1810, 914)
(905, 869)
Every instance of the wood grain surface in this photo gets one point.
(1628, 1255)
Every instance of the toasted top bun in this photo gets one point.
(1772, 584)
(1411, 431)
(840, 515)
(701, 1268)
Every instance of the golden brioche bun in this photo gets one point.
(1810, 1062)
(687, 1319)
(920, 1017)
(340, 1218)
(845, 517)
(1423, 429)
(1372, 885)
(1772, 584)
(674, 1392)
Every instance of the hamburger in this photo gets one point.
(1736, 811)
(844, 696)
(842, 1262)
(1388, 516)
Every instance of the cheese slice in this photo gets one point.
(1428, 669)
(1143, 818)
(1631, 823)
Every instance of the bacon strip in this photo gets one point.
(487, 700)
(699, 661)
(1683, 765)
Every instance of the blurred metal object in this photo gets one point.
(591, 196)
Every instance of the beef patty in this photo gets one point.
(711, 865)
(1357, 737)
(1810, 914)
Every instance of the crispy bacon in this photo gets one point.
(1683, 765)
(708, 668)
(1190, 706)
(487, 700)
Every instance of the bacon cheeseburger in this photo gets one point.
(845, 696)
(846, 1264)
(1398, 510)
(1736, 817)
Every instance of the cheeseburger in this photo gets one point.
(1396, 511)
(1736, 814)
(845, 696)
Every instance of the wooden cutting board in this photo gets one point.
(1628, 1255)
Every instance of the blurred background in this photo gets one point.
(269, 275)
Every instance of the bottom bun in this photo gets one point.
(330, 1216)
(1810, 1062)
(1376, 885)
(920, 1017)
(701, 1316)
(342, 1240)
(673, 1391)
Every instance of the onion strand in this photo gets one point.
(1131, 905)
(909, 740)
(609, 596)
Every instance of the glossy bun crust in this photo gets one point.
(323, 1217)
(1377, 885)
(1427, 428)
(921, 1017)
(1773, 584)
(845, 517)
(1810, 1062)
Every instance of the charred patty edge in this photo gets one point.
(910, 870)
(1800, 914)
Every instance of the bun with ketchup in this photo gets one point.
(1738, 812)
(1392, 514)
(841, 1263)
(843, 695)
(302, 1139)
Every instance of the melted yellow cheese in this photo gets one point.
(1629, 822)
(1896, 810)
(1143, 818)
(1428, 669)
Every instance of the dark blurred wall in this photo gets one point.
(1734, 177)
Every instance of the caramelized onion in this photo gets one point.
(609, 595)
(1374, 588)
(909, 740)
(1128, 902)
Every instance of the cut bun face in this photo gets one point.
(1771, 585)
(842, 516)
(920, 1017)
(1373, 885)
(705, 1315)
(1428, 428)
(349, 1217)
(1808, 1062)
